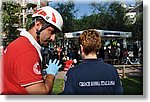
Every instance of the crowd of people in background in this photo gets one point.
(70, 55)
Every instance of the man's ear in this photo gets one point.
(38, 25)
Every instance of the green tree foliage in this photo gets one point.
(118, 14)
(138, 27)
(10, 20)
(67, 10)
(110, 15)
(9, 17)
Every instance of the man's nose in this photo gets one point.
(52, 38)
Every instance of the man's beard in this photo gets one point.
(46, 43)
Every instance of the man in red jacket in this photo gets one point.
(22, 57)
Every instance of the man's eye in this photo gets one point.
(51, 31)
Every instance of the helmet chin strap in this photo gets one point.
(38, 32)
(38, 39)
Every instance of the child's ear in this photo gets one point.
(81, 47)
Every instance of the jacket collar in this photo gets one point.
(32, 41)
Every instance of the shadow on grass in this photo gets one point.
(133, 85)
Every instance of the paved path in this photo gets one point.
(61, 74)
(132, 71)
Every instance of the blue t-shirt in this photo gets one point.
(92, 77)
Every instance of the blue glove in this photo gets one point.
(53, 67)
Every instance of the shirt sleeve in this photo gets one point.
(69, 88)
(28, 68)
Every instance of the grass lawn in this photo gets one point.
(58, 86)
(131, 86)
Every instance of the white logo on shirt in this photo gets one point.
(96, 83)
(36, 68)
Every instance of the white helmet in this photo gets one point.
(50, 15)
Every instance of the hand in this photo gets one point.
(53, 67)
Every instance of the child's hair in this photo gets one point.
(90, 40)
